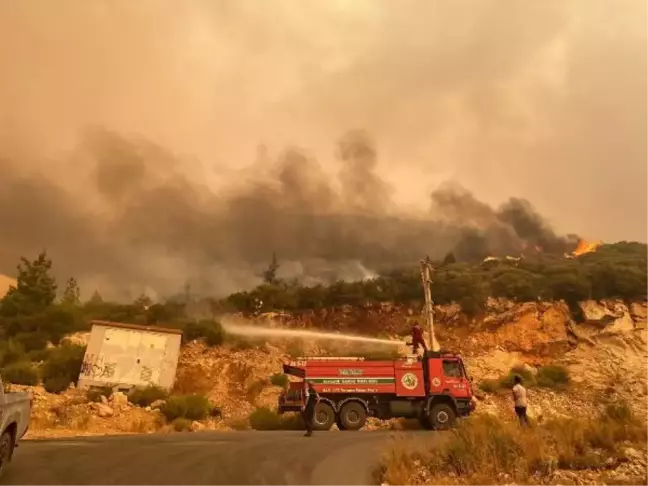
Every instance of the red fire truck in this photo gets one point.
(433, 388)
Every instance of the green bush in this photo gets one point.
(56, 384)
(210, 331)
(192, 407)
(552, 376)
(11, 352)
(95, 393)
(489, 386)
(63, 366)
(265, 419)
(143, 397)
(32, 341)
(528, 379)
(39, 355)
(279, 379)
(20, 373)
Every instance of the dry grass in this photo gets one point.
(255, 389)
(146, 425)
(239, 424)
(484, 448)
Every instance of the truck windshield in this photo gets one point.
(452, 368)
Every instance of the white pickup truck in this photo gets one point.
(15, 409)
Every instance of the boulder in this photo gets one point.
(119, 400)
(157, 404)
(610, 316)
(103, 411)
(639, 314)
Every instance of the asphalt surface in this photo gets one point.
(281, 457)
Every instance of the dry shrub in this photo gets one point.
(192, 379)
(192, 407)
(41, 421)
(143, 397)
(145, 425)
(553, 376)
(279, 379)
(482, 447)
(489, 385)
(397, 465)
(239, 424)
(295, 348)
(94, 394)
(265, 419)
(528, 380)
(549, 376)
(405, 424)
(62, 415)
(240, 343)
(70, 417)
(181, 424)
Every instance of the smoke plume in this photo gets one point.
(150, 144)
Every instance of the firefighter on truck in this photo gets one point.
(417, 339)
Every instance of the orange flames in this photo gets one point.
(586, 247)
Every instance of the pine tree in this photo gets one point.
(72, 293)
(35, 288)
(96, 298)
(270, 274)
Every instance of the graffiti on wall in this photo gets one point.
(127, 357)
(96, 367)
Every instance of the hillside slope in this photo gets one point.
(606, 356)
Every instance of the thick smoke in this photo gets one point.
(128, 134)
(150, 226)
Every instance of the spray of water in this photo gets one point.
(256, 331)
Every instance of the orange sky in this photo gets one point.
(5, 282)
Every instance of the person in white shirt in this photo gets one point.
(520, 400)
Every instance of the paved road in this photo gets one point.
(282, 457)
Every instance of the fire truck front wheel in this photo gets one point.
(352, 416)
(442, 416)
(324, 416)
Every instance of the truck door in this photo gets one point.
(454, 380)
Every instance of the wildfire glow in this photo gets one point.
(586, 247)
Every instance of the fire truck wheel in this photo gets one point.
(425, 422)
(352, 416)
(442, 416)
(324, 416)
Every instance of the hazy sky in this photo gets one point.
(544, 101)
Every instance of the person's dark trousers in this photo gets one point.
(308, 415)
(521, 413)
